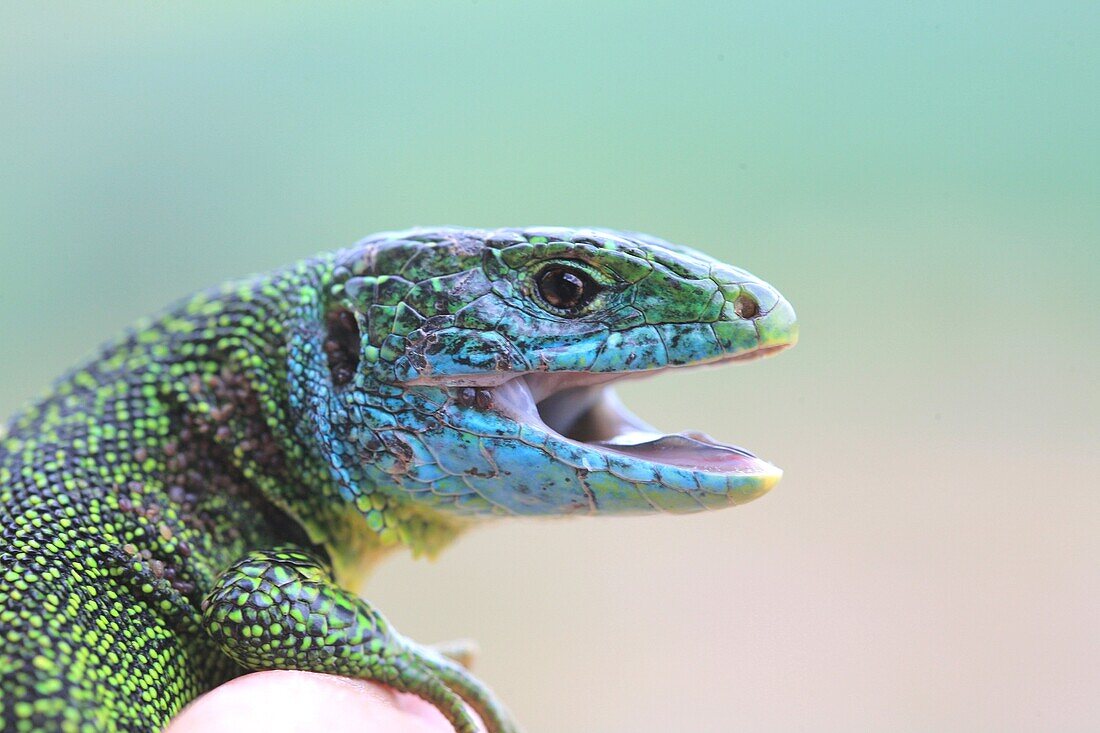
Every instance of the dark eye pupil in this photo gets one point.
(564, 288)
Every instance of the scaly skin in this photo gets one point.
(171, 509)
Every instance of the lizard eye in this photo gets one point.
(566, 288)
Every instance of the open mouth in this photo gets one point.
(581, 407)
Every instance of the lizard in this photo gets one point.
(196, 500)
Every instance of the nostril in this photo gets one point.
(746, 306)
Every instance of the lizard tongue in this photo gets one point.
(688, 449)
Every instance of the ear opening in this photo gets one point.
(341, 346)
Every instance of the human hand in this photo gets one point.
(289, 702)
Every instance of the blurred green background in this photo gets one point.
(922, 180)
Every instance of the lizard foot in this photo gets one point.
(280, 609)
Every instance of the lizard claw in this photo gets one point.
(461, 651)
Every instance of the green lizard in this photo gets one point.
(172, 510)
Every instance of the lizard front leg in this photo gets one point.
(280, 609)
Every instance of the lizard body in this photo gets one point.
(172, 509)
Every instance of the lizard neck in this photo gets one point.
(205, 408)
(249, 376)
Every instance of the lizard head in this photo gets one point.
(472, 371)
